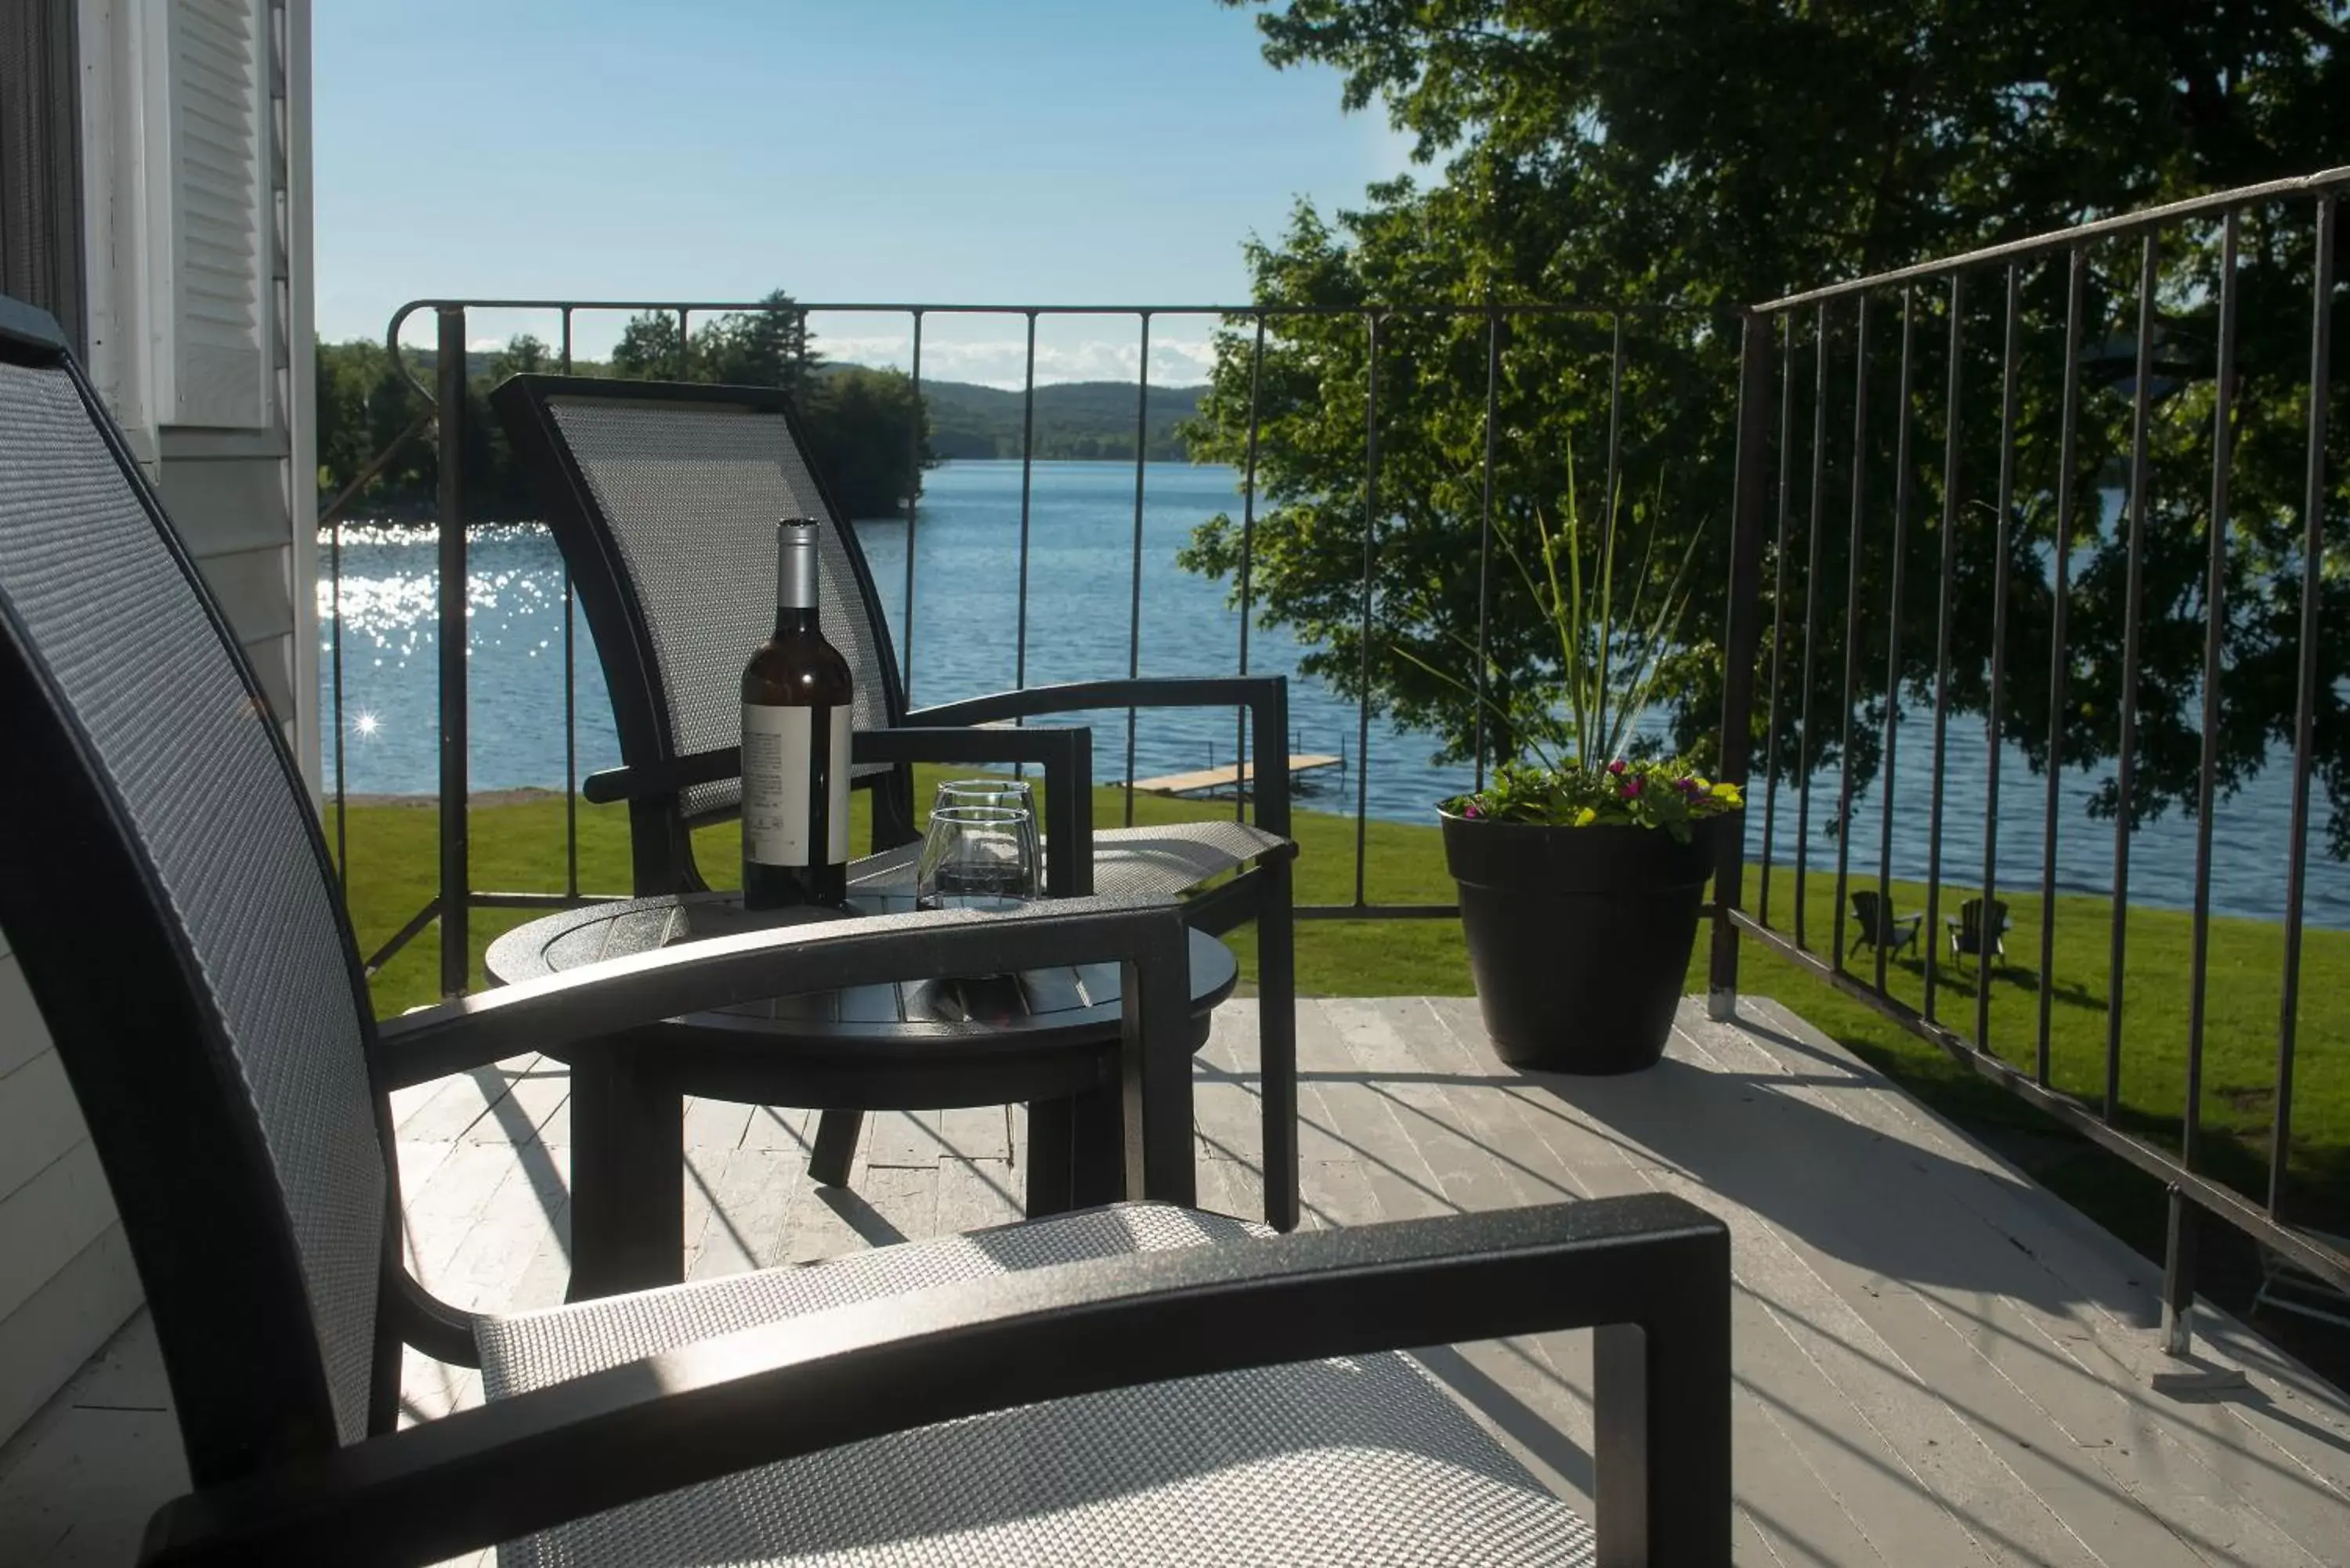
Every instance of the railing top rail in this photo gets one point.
(922, 308)
(2066, 239)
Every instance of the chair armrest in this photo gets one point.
(1266, 697)
(1652, 1272)
(1146, 933)
(608, 785)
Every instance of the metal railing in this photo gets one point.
(443, 421)
(1804, 717)
(1803, 663)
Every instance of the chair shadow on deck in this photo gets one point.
(1886, 1206)
(1850, 1209)
(1897, 1214)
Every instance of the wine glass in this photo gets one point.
(978, 858)
(1010, 794)
(1014, 795)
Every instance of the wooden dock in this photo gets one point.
(1232, 775)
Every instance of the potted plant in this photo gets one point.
(1581, 863)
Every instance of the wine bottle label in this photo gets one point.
(791, 795)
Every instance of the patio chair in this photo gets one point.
(662, 497)
(1880, 927)
(1966, 930)
(1129, 1384)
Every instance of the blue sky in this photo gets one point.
(1026, 152)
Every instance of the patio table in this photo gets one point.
(1048, 1037)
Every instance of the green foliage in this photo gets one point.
(871, 439)
(1576, 724)
(1576, 707)
(365, 405)
(862, 421)
(771, 347)
(1642, 794)
(1674, 164)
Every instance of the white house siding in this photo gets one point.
(66, 1279)
(226, 494)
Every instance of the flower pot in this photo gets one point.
(1579, 936)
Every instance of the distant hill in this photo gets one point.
(1073, 418)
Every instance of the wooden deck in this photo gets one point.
(1238, 776)
(1937, 1362)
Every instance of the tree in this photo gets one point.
(868, 457)
(872, 436)
(768, 348)
(364, 407)
(1674, 162)
(649, 351)
(524, 354)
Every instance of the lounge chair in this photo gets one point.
(1880, 927)
(663, 499)
(1133, 1384)
(1965, 928)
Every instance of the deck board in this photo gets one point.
(1936, 1362)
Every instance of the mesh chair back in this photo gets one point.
(664, 499)
(152, 805)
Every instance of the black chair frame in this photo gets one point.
(968, 731)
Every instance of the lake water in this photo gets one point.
(966, 595)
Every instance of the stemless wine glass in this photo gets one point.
(978, 858)
(1010, 794)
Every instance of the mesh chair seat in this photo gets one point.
(1365, 1460)
(1172, 857)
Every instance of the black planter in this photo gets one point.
(1579, 937)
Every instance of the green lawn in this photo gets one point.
(519, 848)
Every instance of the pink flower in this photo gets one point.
(1616, 767)
(1632, 786)
(1471, 810)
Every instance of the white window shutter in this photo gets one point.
(214, 349)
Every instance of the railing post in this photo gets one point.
(448, 380)
(2178, 1273)
(1741, 624)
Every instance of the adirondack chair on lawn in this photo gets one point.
(1129, 1384)
(662, 497)
(1880, 927)
(1968, 930)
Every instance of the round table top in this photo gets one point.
(1076, 1000)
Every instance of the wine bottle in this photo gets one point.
(795, 724)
